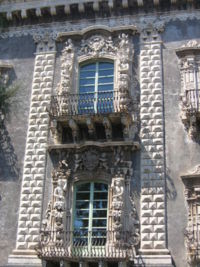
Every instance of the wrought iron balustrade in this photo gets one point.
(88, 103)
(84, 244)
(193, 100)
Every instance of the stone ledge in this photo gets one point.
(25, 258)
(135, 145)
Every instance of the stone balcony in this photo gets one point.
(76, 245)
(107, 112)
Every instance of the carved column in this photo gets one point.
(153, 220)
(30, 211)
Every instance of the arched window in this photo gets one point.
(90, 214)
(96, 86)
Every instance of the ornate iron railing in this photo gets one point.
(88, 103)
(193, 100)
(79, 244)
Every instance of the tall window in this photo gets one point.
(96, 87)
(90, 214)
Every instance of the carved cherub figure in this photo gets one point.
(118, 190)
(58, 194)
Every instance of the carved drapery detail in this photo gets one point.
(189, 63)
(192, 231)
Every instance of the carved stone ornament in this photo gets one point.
(67, 61)
(192, 194)
(97, 45)
(90, 159)
(45, 42)
(189, 62)
(55, 213)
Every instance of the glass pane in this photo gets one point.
(100, 204)
(106, 72)
(99, 223)
(82, 196)
(85, 74)
(82, 213)
(99, 213)
(91, 66)
(83, 187)
(105, 80)
(105, 87)
(100, 187)
(80, 223)
(86, 89)
(90, 81)
(82, 204)
(105, 65)
(101, 195)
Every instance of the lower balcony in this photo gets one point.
(76, 245)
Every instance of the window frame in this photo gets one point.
(97, 94)
(90, 216)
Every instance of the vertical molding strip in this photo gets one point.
(153, 204)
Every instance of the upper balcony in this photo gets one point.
(66, 105)
(192, 102)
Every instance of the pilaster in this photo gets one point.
(35, 156)
(153, 203)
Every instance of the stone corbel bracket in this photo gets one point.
(189, 63)
(192, 195)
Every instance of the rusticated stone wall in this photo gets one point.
(35, 155)
(153, 235)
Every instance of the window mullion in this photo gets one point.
(90, 213)
(96, 87)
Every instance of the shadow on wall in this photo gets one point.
(8, 159)
(170, 187)
(9, 170)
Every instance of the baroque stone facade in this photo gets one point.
(112, 130)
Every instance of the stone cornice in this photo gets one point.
(22, 8)
(110, 24)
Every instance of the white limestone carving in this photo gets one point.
(117, 204)
(97, 45)
(189, 58)
(192, 195)
(67, 61)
